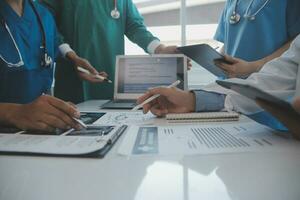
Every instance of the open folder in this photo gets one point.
(94, 141)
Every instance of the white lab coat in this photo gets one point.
(279, 77)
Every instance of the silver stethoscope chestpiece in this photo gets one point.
(115, 13)
(47, 61)
(235, 18)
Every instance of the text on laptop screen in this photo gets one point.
(137, 75)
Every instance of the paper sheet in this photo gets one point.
(128, 118)
(201, 139)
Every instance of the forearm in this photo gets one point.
(208, 101)
(154, 46)
(7, 111)
(65, 50)
(62, 47)
(136, 29)
(260, 63)
(142, 37)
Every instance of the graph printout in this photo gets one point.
(202, 139)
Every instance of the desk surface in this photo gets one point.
(230, 176)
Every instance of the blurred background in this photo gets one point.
(182, 22)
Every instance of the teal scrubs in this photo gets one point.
(276, 24)
(87, 25)
(25, 83)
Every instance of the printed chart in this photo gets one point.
(128, 118)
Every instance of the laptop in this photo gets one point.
(134, 75)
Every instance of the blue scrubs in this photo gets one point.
(26, 83)
(276, 24)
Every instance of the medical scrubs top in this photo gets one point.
(276, 24)
(87, 25)
(25, 83)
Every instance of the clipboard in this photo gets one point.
(96, 146)
(205, 56)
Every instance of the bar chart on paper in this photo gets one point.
(218, 137)
(201, 139)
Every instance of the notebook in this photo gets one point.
(203, 117)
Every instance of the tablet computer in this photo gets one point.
(257, 94)
(205, 56)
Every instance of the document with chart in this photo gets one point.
(128, 118)
(202, 139)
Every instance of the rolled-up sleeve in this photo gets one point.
(209, 101)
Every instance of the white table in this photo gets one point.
(230, 176)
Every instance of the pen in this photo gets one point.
(154, 96)
(80, 122)
(97, 76)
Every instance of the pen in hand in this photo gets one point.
(96, 76)
(80, 122)
(154, 96)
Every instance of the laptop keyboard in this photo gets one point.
(124, 101)
(119, 104)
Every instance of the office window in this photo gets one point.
(201, 19)
(180, 22)
(162, 19)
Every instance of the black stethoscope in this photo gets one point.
(235, 17)
(115, 13)
(46, 60)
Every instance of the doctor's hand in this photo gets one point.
(239, 67)
(163, 49)
(44, 114)
(80, 62)
(290, 120)
(172, 100)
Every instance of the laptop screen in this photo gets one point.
(136, 74)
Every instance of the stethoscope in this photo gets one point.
(235, 17)
(115, 13)
(46, 60)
